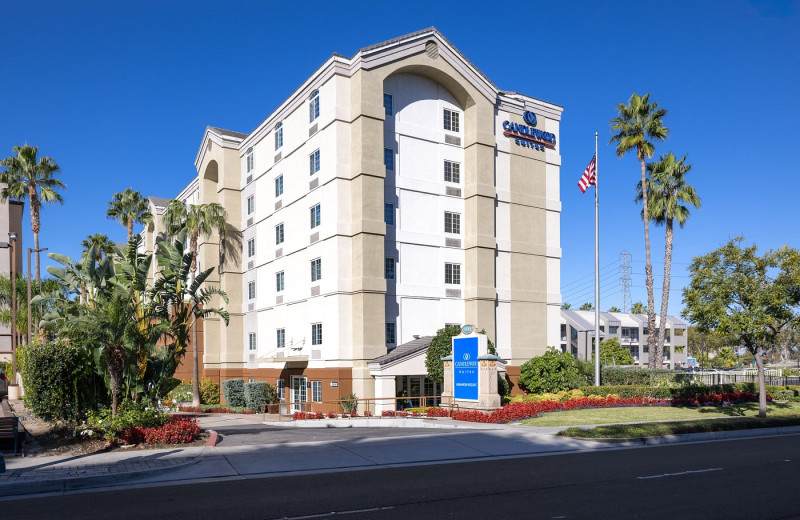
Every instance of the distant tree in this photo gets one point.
(725, 358)
(129, 207)
(670, 198)
(27, 177)
(587, 307)
(565, 306)
(442, 346)
(614, 308)
(638, 308)
(103, 246)
(637, 125)
(735, 291)
(611, 352)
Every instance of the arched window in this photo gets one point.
(278, 135)
(249, 159)
(313, 106)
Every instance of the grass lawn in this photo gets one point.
(659, 413)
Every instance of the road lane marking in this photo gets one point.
(680, 473)
(338, 513)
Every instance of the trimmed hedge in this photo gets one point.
(257, 394)
(616, 376)
(655, 392)
(233, 390)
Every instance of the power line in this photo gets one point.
(625, 279)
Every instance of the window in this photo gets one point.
(313, 106)
(279, 233)
(387, 103)
(452, 222)
(316, 333)
(452, 274)
(251, 204)
(279, 185)
(316, 391)
(280, 339)
(316, 269)
(251, 290)
(612, 329)
(249, 159)
(252, 341)
(390, 336)
(279, 281)
(278, 135)
(450, 120)
(452, 172)
(280, 386)
(389, 268)
(315, 216)
(388, 159)
(388, 213)
(251, 247)
(679, 332)
(313, 162)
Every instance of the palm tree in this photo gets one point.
(637, 124)
(638, 308)
(586, 307)
(101, 243)
(566, 305)
(196, 220)
(614, 309)
(670, 197)
(129, 207)
(27, 177)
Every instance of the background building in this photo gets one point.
(393, 193)
(10, 222)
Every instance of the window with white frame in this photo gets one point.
(316, 333)
(279, 281)
(249, 159)
(251, 204)
(280, 388)
(316, 269)
(280, 338)
(452, 274)
(388, 268)
(316, 391)
(316, 217)
(388, 101)
(390, 333)
(252, 341)
(451, 120)
(313, 106)
(278, 135)
(251, 247)
(279, 185)
(388, 213)
(452, 172)
(388, 159)
(251, 290)
(313, 162)
(452, 222)
(279, 233)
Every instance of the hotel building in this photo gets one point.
(392, 193)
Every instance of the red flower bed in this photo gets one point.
(178, 430)
(438, 412)
(519, 411)
(221, 409)
(302, 416)
(367, 413)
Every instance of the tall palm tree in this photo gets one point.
(103, 246)
(638, 308)
(638, 124)
(129, 207)
(670, 198)
(27, 177)
(202, 219)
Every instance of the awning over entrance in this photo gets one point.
(291, 358)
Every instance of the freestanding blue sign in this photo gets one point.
(465, 368)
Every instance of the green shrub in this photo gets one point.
(209, 391)
(503, 386)
(256, 394)
(551, 372)
(615, 376)
(60, 381)
(612, 353)
(129, 414)
(663, 392)
(791, 372)
(181, 394)
(233, 390)
(349, 403)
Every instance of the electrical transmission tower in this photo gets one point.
(625, 279)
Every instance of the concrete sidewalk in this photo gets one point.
(250, 449)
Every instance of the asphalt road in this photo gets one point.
(754, 478)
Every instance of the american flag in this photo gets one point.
(589, 177)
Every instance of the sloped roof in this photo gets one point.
(159, 201)
(404, 350)
(229, 133)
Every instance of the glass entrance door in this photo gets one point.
(415, 390)
(299, 393)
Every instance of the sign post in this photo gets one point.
(470, 373)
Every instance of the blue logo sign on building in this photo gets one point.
(465, 368)
(528, 136)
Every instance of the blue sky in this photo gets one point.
(119, 93)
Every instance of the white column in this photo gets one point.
(384, 387)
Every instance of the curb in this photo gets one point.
(11, 489)
(385, 422)
(213, 439)
(697, 437)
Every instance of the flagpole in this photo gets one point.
(596, 268)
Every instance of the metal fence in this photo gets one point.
(721, 378)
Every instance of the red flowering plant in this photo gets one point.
(367, 413)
